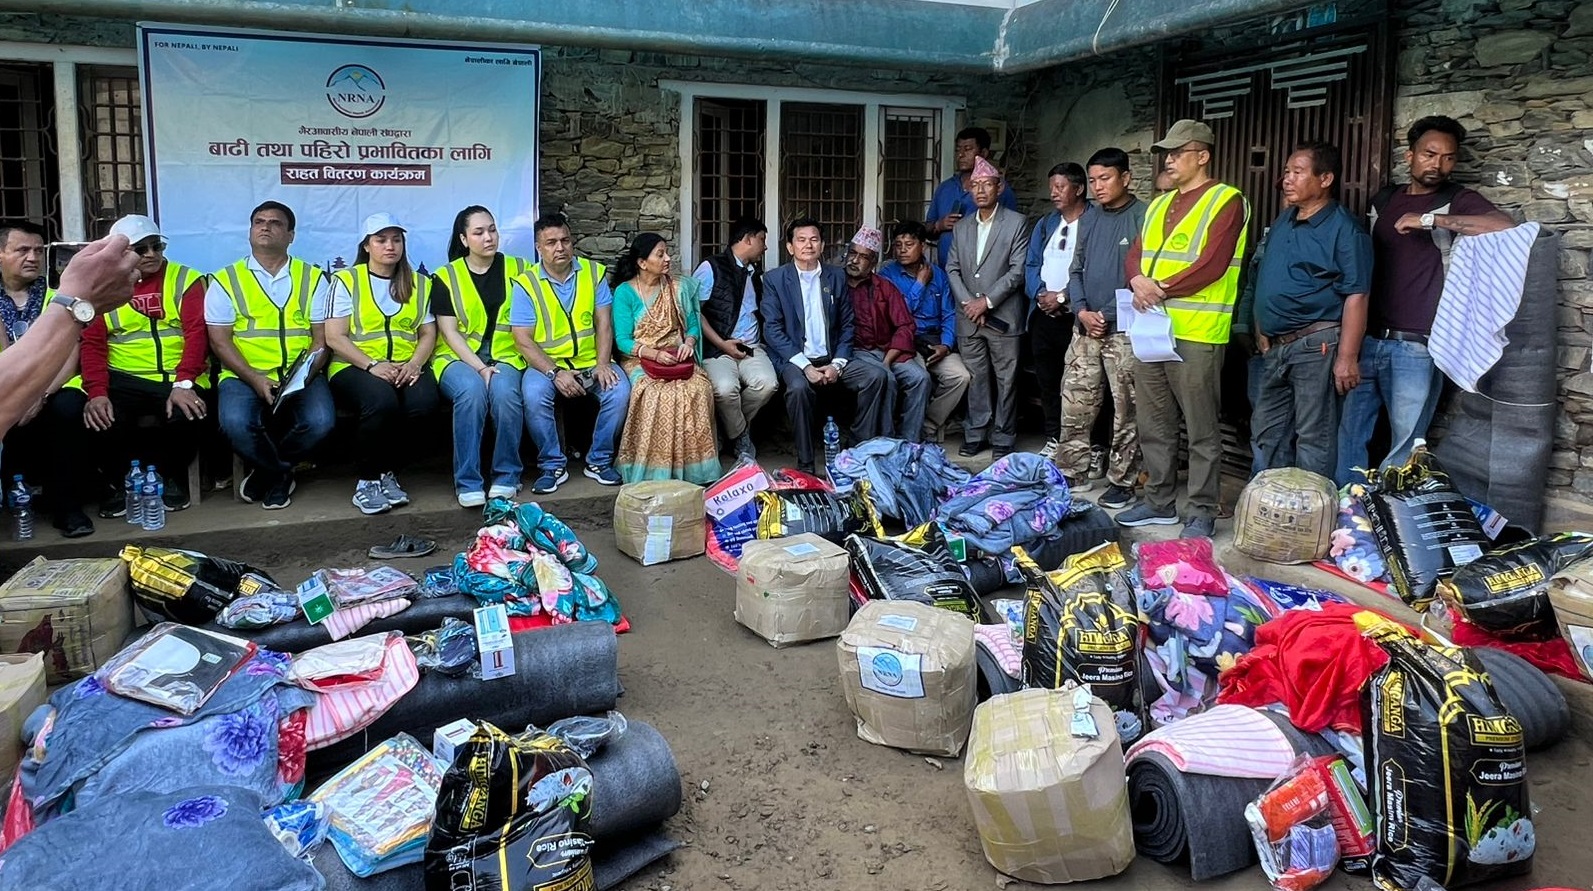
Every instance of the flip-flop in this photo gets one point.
(403, 546)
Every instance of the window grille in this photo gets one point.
(729, 168)
(30, 187)
(113, 146)
(909, 156)
(821, 169)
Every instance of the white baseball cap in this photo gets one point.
(136, 227)
(376, 222)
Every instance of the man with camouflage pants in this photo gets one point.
(1099, 355)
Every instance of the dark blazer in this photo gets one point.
(999, 274)
(783, 329)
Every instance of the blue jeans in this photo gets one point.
(1401, 376)
(1255, 371)
(472, 401)
(273, 441)
(540, 394)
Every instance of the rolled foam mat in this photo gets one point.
(1199, 819)
(992, 680)
(559, 671)
(1531, 696)
(635, 787)
(424, 614)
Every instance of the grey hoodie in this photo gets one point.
(1104, 239)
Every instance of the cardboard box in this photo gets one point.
(660, 520)
(447, 739)
(793, 590)
(1049, 807)
(1571, 595)
(21, 691)
(907, 670)
(75, 612)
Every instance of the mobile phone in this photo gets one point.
(56, 255)
(998, 324)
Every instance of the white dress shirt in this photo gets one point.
(815, 324)
(220, 310)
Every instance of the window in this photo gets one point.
(729, 169)
(113, 146)
(29, 185)
(846, 159)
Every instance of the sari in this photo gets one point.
(669, 427)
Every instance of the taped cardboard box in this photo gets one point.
(75, 612)
(1571, 595)
(659, 520)
(908, 674)
(1050, 807)
(793, 590)
(21, 691)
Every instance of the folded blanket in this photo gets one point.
(1226, 741)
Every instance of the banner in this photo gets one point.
(336, 129)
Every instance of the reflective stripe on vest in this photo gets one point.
(1207, 315)
(568, 337)
(471, 314)
(151, 348)
(382, 337)
(269, 337)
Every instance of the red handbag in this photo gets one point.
(659, 371)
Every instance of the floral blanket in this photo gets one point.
(1355, 551)
(1017, 500)
(528, 560)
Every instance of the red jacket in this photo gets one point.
(881, 319)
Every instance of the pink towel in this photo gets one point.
(1224, 741)
(998, 640)
(345, 711)
(350, 619)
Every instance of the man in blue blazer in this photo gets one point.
(807, 326)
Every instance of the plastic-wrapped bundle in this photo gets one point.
(783, 513)
(928, 573)
(1424, 527)
(1506, 591)
(184, 586)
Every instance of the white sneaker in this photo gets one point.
(1049, 452)
(503, 491)
(368, 497)
(395, 494)
(472, 499)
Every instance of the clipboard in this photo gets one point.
(297, 377)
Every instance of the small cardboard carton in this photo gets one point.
(1571, 595)
(21, 691)
(793, 590)
(75, 612)
(447, 739)
(1050, 806)
(908, 674)
(659, 520)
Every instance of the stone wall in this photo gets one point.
(1517, 74)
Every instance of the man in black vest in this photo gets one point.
(738, 366)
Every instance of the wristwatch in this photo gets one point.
(182, 385)
(552, 373)
(1429, 220)
(81, 310)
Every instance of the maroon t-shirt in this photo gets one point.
(1408, 270)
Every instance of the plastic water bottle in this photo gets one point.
(130, 493)
(832, 446)
(22, 505)
(150, 494)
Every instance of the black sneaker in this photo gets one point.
(112, 508)
(73, 523)
(1116, 496)
(1143, 514)
(255, 487)
(176, 497)
(281, 494)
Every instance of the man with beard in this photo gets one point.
(883, 332)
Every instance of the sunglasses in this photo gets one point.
(149, 247)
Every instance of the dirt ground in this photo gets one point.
(780, 793)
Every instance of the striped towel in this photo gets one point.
(1224, 741)
(1482, 291)
(349, 619)
(345, 711)
(998, 640)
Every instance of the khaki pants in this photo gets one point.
(1095, 364)
(741, 388)
(951, 382)
(1164, 392)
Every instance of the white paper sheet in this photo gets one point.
(1150, 333)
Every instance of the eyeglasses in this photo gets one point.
(1177, 152)
(144, 249)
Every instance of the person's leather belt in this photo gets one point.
(1396, 334)
(1298, 333)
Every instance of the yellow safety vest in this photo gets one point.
(471, 314)
(151, 348)
(76, 383)
(269, 337)
(1207, 315)
(382, 337)
(569, 338)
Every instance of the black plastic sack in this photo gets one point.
(928, 574)
(1074, 631)
(1506, 591)
(512, 815)
(786, 512)
(1446, 762)
(1425, 528)
(183, 586)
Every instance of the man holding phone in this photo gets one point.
(953, 198)
(986, 271)
(743, 378)
(928, 294)
(144, 360)
(258, 313)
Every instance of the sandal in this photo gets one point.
(403, 546)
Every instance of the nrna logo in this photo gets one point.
(356, 91)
